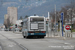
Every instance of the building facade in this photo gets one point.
(12, 14)
(6, 20)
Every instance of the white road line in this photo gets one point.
(66, 43)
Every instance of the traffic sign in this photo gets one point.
(62, 14)
(67, 27)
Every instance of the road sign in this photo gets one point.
(67, 27)
(62, 14)
(56, 23)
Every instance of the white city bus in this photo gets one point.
(34, 26)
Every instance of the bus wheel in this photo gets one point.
(42, 37)
(23, 36)
(26, 37)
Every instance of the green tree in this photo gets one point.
(26, 16)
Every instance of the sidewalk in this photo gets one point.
(58, 34)
(52, 35)
(15, 32)
(73, 34)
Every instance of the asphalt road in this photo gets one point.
(15, 41)
(8, 44)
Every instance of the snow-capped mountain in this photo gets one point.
(30, 7)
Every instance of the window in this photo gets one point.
(36, 19)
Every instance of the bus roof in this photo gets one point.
(36, 16)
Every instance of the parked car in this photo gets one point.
(6, 29)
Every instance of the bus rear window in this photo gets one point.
(36, 19)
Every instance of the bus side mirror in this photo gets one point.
(22, 23)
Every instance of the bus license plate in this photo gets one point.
(32, 33)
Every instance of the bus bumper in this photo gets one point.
(36, 34)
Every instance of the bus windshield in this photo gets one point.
(36, 19)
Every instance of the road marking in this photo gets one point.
(66, 43)
(64, 47)
(68, 47)
(23, 47)
(17, 34)
(55, 46)
(10, 45)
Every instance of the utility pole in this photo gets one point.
(48, 24)
(60, 27)
(71, 17)
(55, 18)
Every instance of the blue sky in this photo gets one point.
(31, 7)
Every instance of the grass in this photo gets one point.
(73, 30)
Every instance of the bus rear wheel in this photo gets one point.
(24, 36)
(27, 37)
(42, 37)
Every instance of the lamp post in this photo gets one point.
(48, 24)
